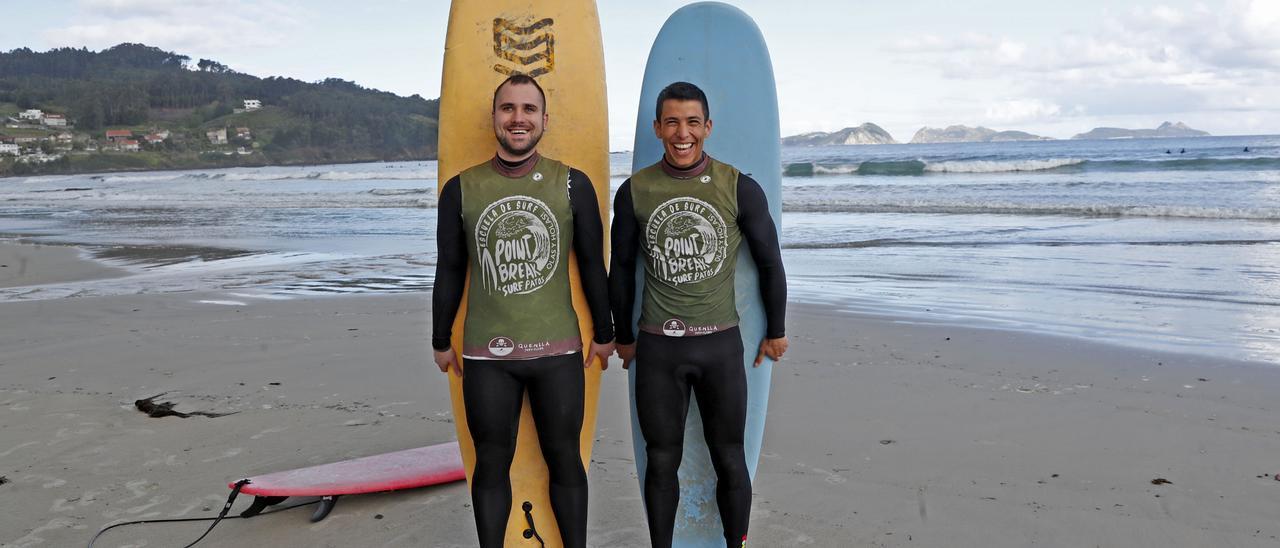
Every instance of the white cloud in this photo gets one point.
(1014, 111)
(196, 28)
(1143, 61)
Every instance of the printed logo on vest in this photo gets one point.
(674, 328)
(518, 243)
(686, 241)
(501, 346)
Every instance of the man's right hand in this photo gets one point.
(446, 359)
(628, 353)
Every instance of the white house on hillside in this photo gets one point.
(55, 120)
(252, 104)
(31, 114)
(217, 136)
(10, 148)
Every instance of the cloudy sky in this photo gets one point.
(1051, 68)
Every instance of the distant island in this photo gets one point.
(871, 134)
(865, 134)
(136, 107)
(1166, 129)
(966, 134)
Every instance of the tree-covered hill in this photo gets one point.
(148, 90)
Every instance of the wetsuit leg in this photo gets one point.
(711, 366)
(492, 396)
(662, 404)
(721, 389)
(556, 386)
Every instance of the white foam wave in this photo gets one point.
(212, 198)
(843, 169)
(998, 166)
(1088, 210)
(148, 178)
(400, 191)
(390, 175)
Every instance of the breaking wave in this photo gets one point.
(922, 167)
(1181, 211)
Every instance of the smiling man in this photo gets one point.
(687, 216)
(513, 220)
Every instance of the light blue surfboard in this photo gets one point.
(718, 48)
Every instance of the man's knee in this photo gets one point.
(730, 463)
(564, 466)
(664, 460)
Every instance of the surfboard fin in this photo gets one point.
(260, 504)
(327, 503)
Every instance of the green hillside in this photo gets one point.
(149, 91)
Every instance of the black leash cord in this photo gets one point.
(528, 517)
(222, 515)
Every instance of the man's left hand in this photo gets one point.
(601, 351)
(773, 348)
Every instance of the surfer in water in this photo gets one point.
(513, 220)
(688, 214)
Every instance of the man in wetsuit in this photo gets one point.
(688, 213)
(513, 220)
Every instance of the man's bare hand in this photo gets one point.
(773, 349)
(601, 352)
(627, 352)
(446, 359)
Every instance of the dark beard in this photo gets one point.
(506, 147)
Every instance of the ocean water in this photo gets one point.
(1170, 244)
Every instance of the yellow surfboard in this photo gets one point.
(558, 43)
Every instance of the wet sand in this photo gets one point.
(33, 264)
(881, 432)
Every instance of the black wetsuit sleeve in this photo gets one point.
(762, 238)
(451, 264)
(624, 239)
(588, 242)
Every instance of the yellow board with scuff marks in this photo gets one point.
(557, 42)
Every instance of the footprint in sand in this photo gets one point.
(167, 460)
(207, 501)
(797, 538)
(831, 477)
(33, 538)
(61, 505)
(155, 501)
(64, 434)
(136, 487)
(49, 481)
(268, 431)
(17, 447)
(225, 454)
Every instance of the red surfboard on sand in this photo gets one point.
(406, 469)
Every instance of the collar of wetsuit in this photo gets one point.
(687, 173)
(515, 170)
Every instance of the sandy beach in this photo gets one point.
(881, 432)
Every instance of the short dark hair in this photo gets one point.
(682, 91)
(519, 78)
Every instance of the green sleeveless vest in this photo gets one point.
(519, 233)
(690, 241)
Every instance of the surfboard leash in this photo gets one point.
(532, 531)
(226, 507)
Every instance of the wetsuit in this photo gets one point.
(689, 339)
(499, 369)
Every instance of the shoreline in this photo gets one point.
(25, 264)
(104, 262)
(207, 168)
